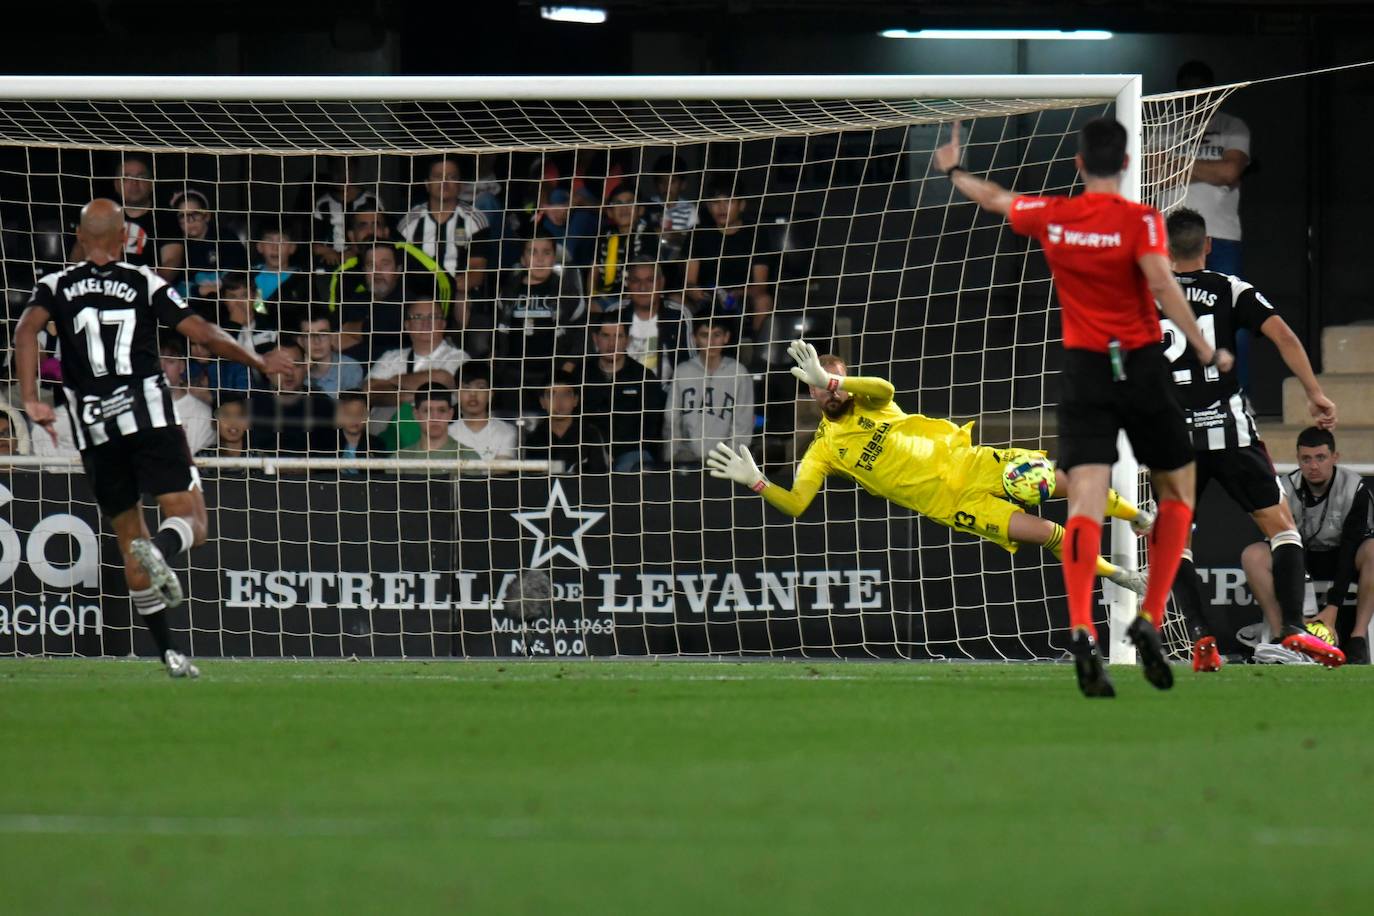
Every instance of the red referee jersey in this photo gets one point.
(1092, 242)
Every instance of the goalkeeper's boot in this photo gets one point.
(1132, 580)
(1205, 655)
(1296, 639)
(1145, 638)
(163, 577)
(1087, 664)
(179, 665)
(1143, 522)
(1357, 651)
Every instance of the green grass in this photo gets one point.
(676, 787)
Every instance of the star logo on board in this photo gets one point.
(555, 516)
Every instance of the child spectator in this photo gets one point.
(278, 285)
(193, 413)
(434, 413)
(330, 371)
(711, 399)
(247, 319)
(291, 420)
(350, 418)
(475, 427)
(562, 436)
(231, 429)
(208, 255)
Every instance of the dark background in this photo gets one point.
(1304, 201)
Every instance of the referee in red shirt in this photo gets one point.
(1110, 260)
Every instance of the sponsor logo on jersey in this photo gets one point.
(1029, 203)
(1057, 235)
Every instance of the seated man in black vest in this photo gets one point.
(1335, 513)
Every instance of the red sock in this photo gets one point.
(1168, 540)
(1082, 540)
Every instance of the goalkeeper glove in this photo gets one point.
(808, 369)
(724, 462)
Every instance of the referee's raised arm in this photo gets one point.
(989, 195)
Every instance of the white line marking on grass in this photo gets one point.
(145, 825)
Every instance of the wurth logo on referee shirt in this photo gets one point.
(1055, 234)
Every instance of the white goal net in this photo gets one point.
(480, 277)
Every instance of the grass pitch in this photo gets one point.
(628, 787)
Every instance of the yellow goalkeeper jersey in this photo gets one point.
(927, 464)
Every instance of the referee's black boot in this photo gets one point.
(1087, 664)
(1145, 638)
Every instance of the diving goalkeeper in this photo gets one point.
(928, 465)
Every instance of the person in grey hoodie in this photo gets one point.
(711, 399)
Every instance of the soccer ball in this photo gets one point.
(1029, 482)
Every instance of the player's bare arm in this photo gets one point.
(1322, 408)
(217, 341)
(1159, 275)
(989, 195)
(34, 319)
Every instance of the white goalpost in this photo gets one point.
(852, 241)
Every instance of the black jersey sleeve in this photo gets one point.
(42, 297)
(1252, 309)
(167, 303)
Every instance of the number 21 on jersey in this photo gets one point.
(88, 321)
(1175, 343)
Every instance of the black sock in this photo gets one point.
(1290, 582)
(162, 634)
(1187, 594)
(170, 542)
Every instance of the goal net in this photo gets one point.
(592, 281)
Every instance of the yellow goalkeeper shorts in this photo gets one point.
(982, 507)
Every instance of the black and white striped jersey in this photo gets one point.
(466, 233)
(107, 319)
(1217, 413)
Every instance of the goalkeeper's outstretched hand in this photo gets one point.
(724, 462)
(808, 368)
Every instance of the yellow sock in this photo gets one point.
(1055, 545)
(1120, 507)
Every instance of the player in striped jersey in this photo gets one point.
(107, 315)
(1224, 436)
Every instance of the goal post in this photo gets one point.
(869, 252)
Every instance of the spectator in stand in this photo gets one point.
(620, 397)
(372, 318)
(399, 373)
(153, 238)
(476, 428)
(212, 379)
(470, 325)
(711, 399)
(672, 215)
(231, 429)
(627, 239)
(192, 411)
(1334, 509)
(574, 231)
(434, 413)
(280, 288)
(540, 320)
(330, 371)
(350, 418)
(660, 332)
(208, 255)
(562, 436)
(1214, 186)
(454, 234)
(255, 327)
(731, 265)
(343, 196)
(291, 420)
(366, 228)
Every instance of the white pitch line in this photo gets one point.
(148, 825)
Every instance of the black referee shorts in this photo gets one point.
(151, 461)
(1246, 474)
(1093, 408)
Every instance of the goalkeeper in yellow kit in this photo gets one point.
(928, 465)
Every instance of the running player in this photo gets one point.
(107, 314)
(1226, 440)
(1110, 264)
(928, 465)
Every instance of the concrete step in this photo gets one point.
(1355, 443)
(1353, 393)
(1348, 348)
